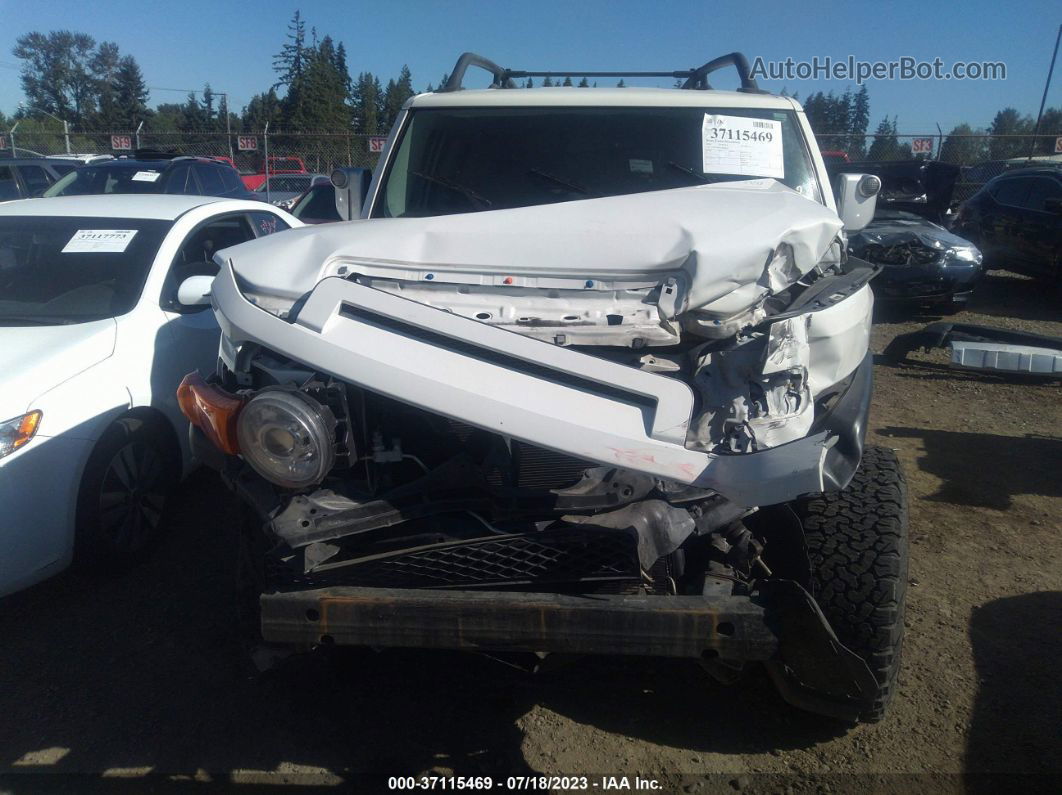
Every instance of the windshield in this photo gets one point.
(457, 160)
(56, 270)
(294, 184)
(93, 180)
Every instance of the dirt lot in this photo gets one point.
(139, 678)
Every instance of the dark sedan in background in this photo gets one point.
(922, 262)
(1016, 219)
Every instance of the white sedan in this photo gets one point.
(93, 344)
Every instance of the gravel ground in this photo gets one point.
(137, 678)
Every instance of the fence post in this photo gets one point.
(1043, 101)
(265, 147)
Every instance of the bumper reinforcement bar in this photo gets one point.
(780, 624)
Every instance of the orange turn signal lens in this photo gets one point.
(16, 432)
(212, 410)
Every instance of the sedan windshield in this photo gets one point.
(289, 184)
(459, 160)
(57, 270)
(93, 180)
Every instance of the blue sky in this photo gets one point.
(183, 45)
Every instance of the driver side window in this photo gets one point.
(196, 256)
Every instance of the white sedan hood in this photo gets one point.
(35, 359)
(714, 242)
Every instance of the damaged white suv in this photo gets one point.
(589, 374)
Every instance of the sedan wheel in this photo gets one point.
(122, 496)
(132, 496)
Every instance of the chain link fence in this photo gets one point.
(319, 152)
(981, 157)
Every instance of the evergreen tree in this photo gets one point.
(289, 63)
(963, 146)
(207, 106)
(192, 117)
(368, 101)
(584, 83)
(530, 83)
(886, 144)
(621, 84)
(320, 98)
(547, 83)
(395, 96)
(130, 94)
(858, 121)
(567, 81)
(261, 109)
(1007, 125)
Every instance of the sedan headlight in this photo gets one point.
(15, 433)
(968, 254)
(287, 437)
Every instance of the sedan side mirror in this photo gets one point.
(195, 291)
(857, 198)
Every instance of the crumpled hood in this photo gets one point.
(720, 236)
(36, 359)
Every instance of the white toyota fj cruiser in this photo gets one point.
(587, 374)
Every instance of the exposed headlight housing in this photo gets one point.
(965, 254)
(16, 432)
(287, 437)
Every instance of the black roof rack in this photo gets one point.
(694, 78)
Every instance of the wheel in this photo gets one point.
(123, 493)
(857, 548)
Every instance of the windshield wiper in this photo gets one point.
(466, 192)
(557, 180)
(690, 171)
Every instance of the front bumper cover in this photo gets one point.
(780, 624)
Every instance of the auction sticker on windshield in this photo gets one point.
(740, 145)
(145, 176)
(99, 240)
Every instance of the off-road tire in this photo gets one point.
(135, 464)
(857, 547)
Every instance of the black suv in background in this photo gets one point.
(1016, 221)
(155, 172)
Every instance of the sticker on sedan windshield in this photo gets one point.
(99, 240)
(145, 176)
(740, 145)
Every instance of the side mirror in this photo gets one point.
(857, 198)
(352, 186)
(195, 291)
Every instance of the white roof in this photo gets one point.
(121, 205)
(601, 97)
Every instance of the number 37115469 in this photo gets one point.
(730, 134)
